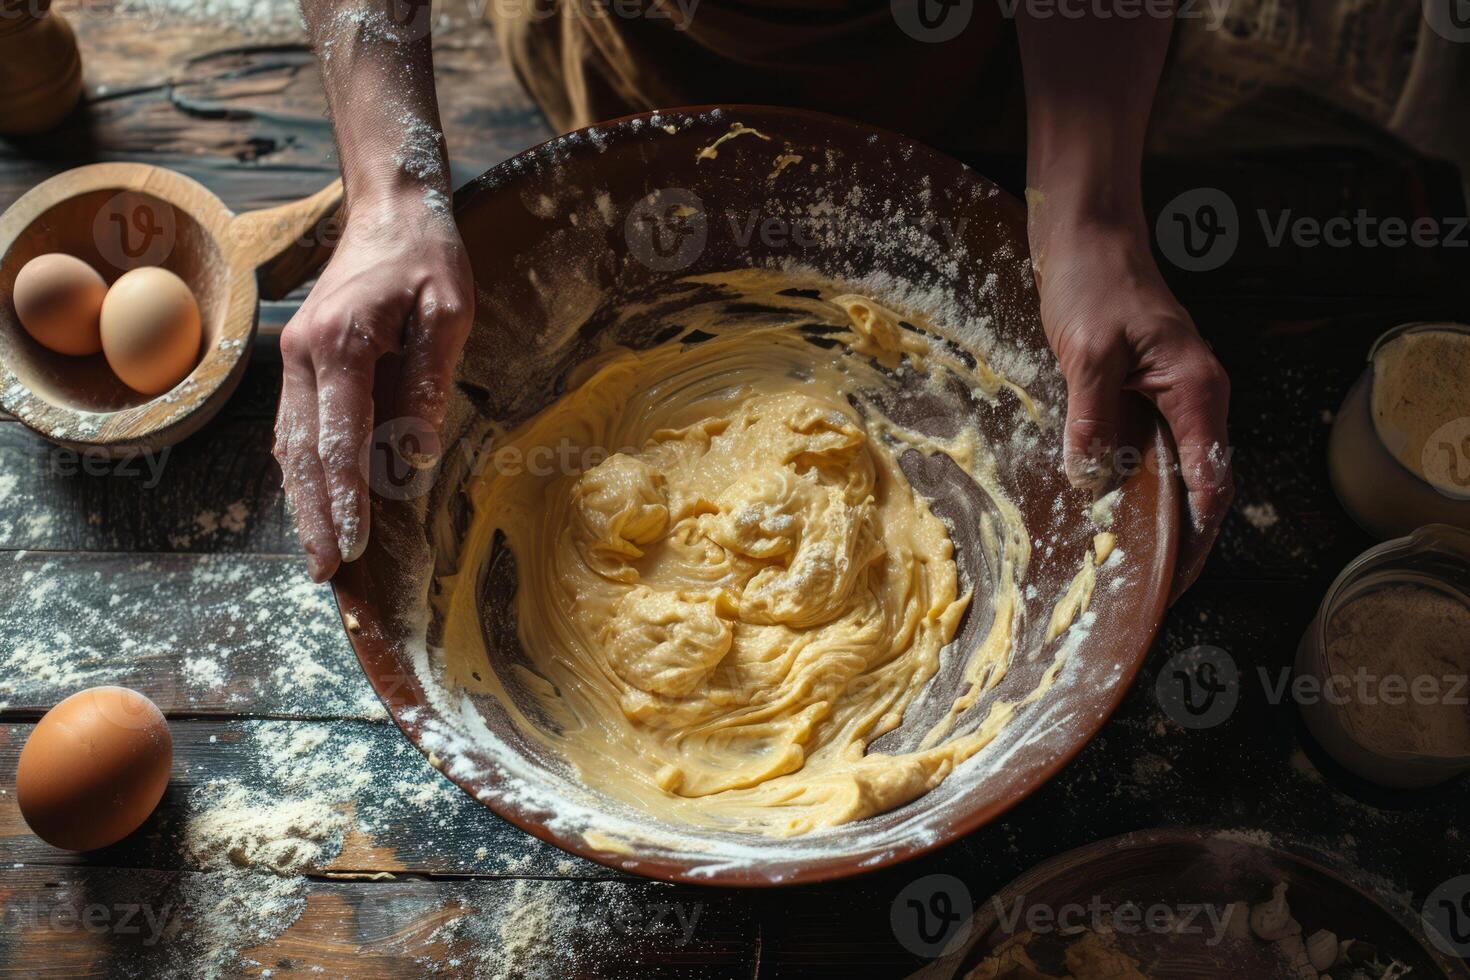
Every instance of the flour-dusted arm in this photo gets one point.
(1112, 321)
(383, 327)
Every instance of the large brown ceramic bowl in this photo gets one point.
(561, 237)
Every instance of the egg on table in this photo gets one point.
(58, 300)
(150, 329)
(94, 768)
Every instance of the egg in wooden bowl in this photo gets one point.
(167, 374)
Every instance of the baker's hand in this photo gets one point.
(1114, 325)
(394, 306)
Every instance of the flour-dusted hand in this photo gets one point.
(1115, 326)
(378, 338)
(387, 318)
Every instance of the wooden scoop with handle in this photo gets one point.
(121, 216)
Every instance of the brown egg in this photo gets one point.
(94, 768)
(150, 329)
(58, 299)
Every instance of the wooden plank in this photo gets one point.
(383, 807)
(239, 106)
(104, 922)
(199, 634)
(1286, 523)
(219, 491)
(1144, 764)
(1254, 772)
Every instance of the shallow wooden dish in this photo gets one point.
(1184, 870)
(554, 236)
(119, 216)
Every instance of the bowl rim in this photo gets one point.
(376, 642)
(224, 357)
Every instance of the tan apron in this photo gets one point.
(1225, 87)
(584, 61)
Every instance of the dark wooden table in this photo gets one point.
(182, 581)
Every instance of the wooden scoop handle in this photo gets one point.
(287, 244)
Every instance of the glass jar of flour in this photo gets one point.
(1399, 453)
(1383, 672)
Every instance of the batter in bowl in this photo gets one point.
(727, 587)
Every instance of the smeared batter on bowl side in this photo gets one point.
(726, 587)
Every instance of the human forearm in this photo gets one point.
(378, 337)
(1090, 82)
(1108, 313)
(379, 79)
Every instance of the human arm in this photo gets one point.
(1107, 312)
(392, 308)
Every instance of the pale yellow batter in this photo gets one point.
(726, 586)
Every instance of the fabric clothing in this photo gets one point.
(584, 61)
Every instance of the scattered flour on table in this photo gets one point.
(291, 795)
(526, 937)
(243, 829)
(1262, 517)
(75, 624)
(209, 525)
(538, 932)
(259, 835)
(222, 913)
(256, 835)
(203, 672)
